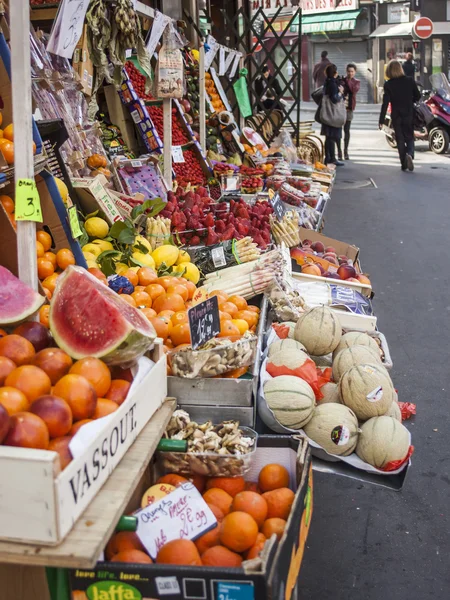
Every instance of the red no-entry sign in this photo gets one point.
(423, 28)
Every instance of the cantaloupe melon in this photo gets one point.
(382, 440)
(287, 344)
(334, 427)
(291, 400)
(291, 325)
(394, 412)
(319, 330)
(287, 362)
(367, 389)
(330, 393)
(350, 357)
(356, 338)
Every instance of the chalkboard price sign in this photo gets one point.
(204, 322)
(277, 206)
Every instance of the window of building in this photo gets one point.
(398, 48)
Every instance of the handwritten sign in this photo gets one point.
(200, 295)
(182, 514)
(28, 203)
(277, 206)
(177, 154)
(204, 321)
(74, 223)
(68, 27)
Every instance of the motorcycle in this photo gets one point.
(434, 111)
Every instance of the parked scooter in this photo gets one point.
(435, 126)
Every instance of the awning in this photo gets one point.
(392, 31)
(334, 21)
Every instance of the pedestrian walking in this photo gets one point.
(319, 70)
(401, 92)
(409, 67)
(333, 135)
(351, 88)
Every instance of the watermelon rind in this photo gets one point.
(89, 319)
(18, 302)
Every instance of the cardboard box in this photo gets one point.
(277, 570)
(82, 64)
(120, 116)
(93, 195)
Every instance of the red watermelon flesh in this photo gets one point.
(17, 300)
(89, 319)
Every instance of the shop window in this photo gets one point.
(398, 48)
(436, 56)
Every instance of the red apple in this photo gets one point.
(346, 271)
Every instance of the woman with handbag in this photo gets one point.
(332, 114)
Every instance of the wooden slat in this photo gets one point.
(23, 583)
(85, 542)
(43, 14)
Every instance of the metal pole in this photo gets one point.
(23, 131)
(299, 73)
(167, 120)
(202, 98)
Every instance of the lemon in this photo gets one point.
(189, 271)
(121, 268)
(92, 264)
(140, 239)
(96, 227)
(144, 260)
(92, 249)
(62, 188)
(89, 256)
(104, 245)
(183, 256)
(165, 254)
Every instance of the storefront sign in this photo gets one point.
(324, 6)
(398, 13)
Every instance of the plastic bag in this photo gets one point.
(170, 68)
(283, 143)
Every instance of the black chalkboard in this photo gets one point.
(278, 206)
(204, 322)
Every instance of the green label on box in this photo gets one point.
(112, 590)
(28, 203)
(74, 223)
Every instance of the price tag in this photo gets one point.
(235, 590)
(28, 203)
(74, 223)
(182, 514)
(177, 154)
(231, 184)
(136, 164)
(278, 207)
(200, 295)
(204, 321)
(271, 194)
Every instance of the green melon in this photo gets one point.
(290, 399)
(334, 427)
(382, 440)
(319, 330)
(350, 357)
(367, 389)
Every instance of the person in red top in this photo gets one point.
(351, 88)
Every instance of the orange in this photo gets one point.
(239, 301)
(218, 556)
(166, 319)
(17, 348)
(272, 477)
(43, 314)
(97, 273)
(118, 391)
(146, 276)
(132, 556)
(142, 299)
(80, 395)
(216, 512)
(6, 366)
(104, 408)
(3, 333)
(131, 276)
(274, 526)
(56, 414)
(256, 548)
(8, 204)
(252, 504)
(77, 426)
(167, 281)
(221, 295)
(238, 531)
(172, 479)
(254, 309)
(27, 431)
(179, 317)
(191, 287)
(166, 313)
(154, 290)
(235, 374)
(181, 334)
(231, 485)
(128, 299)
(13, 400)
(96, 372)
(160, 326)
(30, 380)
(54, 361)
(61, 446)
(219, 498)
(224, 316)
(179, 289)
(229, 308)
(241, 325)
(39, 250)
(229, 329)
(1, 119)
(50, 256)
(8, 132)
(208, 540)
(179, 552)
(173, 302)
(247, 315)
(251, 486)
(50, 282)
(64, 258)
(279, 503)
(139, 288)
(199, 481)
(148, 312)
(7, 149)
(45, 268)
(45, 239)
(123, 540)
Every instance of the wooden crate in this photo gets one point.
(39, 503)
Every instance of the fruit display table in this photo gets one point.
(22, 572)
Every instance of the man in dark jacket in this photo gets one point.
(409, 67)
(266, 82)
(351, 88)
(319, 70)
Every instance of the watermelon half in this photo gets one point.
(89, 319)
(17, 300)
